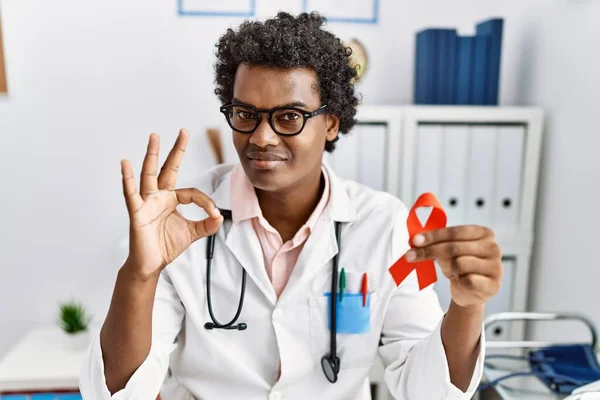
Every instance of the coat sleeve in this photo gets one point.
(145, 383)
(411, 344)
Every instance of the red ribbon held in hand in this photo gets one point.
(425, 269)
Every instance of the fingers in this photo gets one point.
(149, 184)
(208, 226)
(468, 265)
(168, 173)
(133, 200)
(453, 233)
(204, 228)
(190, 195)
(470, 285)
(448, 250)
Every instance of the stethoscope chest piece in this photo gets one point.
(331, 367)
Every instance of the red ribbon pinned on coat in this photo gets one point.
(425, 269)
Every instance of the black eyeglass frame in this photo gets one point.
(306, 115)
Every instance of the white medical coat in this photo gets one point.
(291, 332)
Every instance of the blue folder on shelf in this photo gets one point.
(479, 72)
(465, 57)
(492, 28)
(444, 84)
(425, 70)
(452, 69)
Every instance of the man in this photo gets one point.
(287, 93)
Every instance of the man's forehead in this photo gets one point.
(274, 85)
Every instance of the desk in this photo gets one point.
(41, 361)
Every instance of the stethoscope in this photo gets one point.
(330, 362)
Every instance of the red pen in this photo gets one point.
(364, 288)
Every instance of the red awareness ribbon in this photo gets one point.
(425, 269)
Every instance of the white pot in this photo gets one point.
(79, 341)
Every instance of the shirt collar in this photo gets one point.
(340, 207)
(244, 203)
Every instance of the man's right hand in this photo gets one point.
(158, 232)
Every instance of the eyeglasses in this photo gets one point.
(285, 121)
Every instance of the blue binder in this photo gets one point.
(480, 68)
(464, 67)
(425, 66)
(493, 28)
(450, 74)
(445, 66)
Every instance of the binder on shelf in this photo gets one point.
(510, 144)
(372, 160)
(480, 178)
(428, 160)
(345, 159)
(501, 302)
(425, 66)
(454, 173)
(493, 28)
(479, 72)
(464, 67)
(361, 155)
(450, 69)
(446, 49)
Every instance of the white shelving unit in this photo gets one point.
(481, 162)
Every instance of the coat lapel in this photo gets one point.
(321, 245)
(243, 243)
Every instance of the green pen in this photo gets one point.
(342, 282)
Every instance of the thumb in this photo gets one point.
(206, 227)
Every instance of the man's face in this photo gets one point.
(273, 162)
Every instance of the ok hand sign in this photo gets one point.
(158, 232)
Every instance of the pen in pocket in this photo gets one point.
(364, 288)
(342, 282)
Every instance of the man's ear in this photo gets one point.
(333, 126)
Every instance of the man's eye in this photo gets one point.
(245, 115)
(291, 116)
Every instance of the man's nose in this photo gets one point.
(264, 135)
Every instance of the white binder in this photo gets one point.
(372, 150)
(501, 301)
(480, 178)
(454, 173)
(506, 202)
(345, 159)
(428, 160)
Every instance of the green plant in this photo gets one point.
(73, 318)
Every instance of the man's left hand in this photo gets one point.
(468, 256)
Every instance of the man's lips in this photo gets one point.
(265, 156)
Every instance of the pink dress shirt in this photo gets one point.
(280, 258)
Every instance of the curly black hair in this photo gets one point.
(287, 42)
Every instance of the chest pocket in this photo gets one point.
(357, 328)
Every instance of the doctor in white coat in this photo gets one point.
(287, 93)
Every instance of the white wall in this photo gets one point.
(89, 81)
(561, 62)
